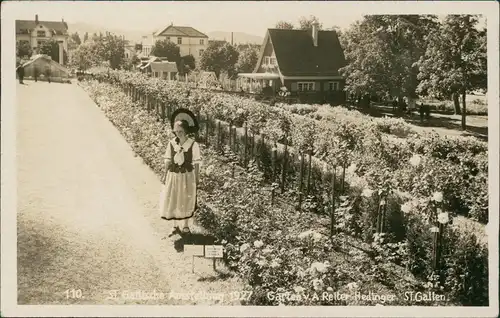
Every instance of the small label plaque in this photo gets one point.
(194, 250)
(214, 251)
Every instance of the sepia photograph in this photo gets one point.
(250, 158)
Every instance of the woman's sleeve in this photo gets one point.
(168, 153)
(196, 154)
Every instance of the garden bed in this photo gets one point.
(243, 218)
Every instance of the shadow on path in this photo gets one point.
(193, 239)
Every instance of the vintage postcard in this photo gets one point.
(250, 158)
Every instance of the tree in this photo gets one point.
(219, 57)
(168, 49)
(76, 38)
(187, 64)
(307, 23)
(381, 52)
(114, 50)
(454, 62)
(23, 48)
(86, 56)
(86, 37)
(284, 25)
(247, 60)
(51, 48)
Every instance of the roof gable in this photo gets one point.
(297, 56)
(58, 27)
(185, 31)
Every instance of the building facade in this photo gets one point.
(189, 40)
(36, 32)
(306, 62)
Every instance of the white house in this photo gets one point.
(189, 40)
(36, 32)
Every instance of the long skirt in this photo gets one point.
(178, 196)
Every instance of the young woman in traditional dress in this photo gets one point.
(182, 166)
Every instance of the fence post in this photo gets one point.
(283, 166)
(245, 147)
(309, 171)
(343, 177)
(332, 211)
(207, 129)
(301, 173)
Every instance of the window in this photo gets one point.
(305, 86)
(157, 74)
(201, 52)
(273, 61)
(40, 34)
(202, 41)
(179, 40)
(267, 60)
(333, 86)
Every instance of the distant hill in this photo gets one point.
(81, 28)
(238, 37)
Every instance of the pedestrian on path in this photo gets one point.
(20, 73)
(182, 172)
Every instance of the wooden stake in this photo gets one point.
(301, 172)
(283, 166)
(332, 212)
(309, 171)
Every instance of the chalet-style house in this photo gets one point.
(306, 62)
(35, 32)
(189, 40)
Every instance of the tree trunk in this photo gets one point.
(456, 102)
(464, 124)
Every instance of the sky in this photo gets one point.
(253, 17)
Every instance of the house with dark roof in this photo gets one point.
(189, 40)
(306, 62)
(36, 32)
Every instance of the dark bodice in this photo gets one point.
(187, 166)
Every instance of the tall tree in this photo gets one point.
(455, 61)
(187, 64)
(168, 49)
(219, 57)
(114, 50)
(247, 60)
(382, 52)
(51, 48)
(23, 48)
(284, 25)
(76, 38)
(307, 23)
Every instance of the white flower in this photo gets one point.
(226, 185)
(209, 170)
(275, 264)
(367, 193)
(438, 196)
(443, 218)
(329, 289)
(278, 233)
(266, 250)
(317, 236)
(352, 168)
(319, 267)
(299, 289)
(434, 229)
(352, 285)
(382, 202)
(317, 284)
(415, 160)
(258, 244)
(244, 247)
(305, 234)
(262, 263)
(406, 207)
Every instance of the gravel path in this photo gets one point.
(87, 211)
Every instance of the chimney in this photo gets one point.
(36, 18)
(315, 28)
